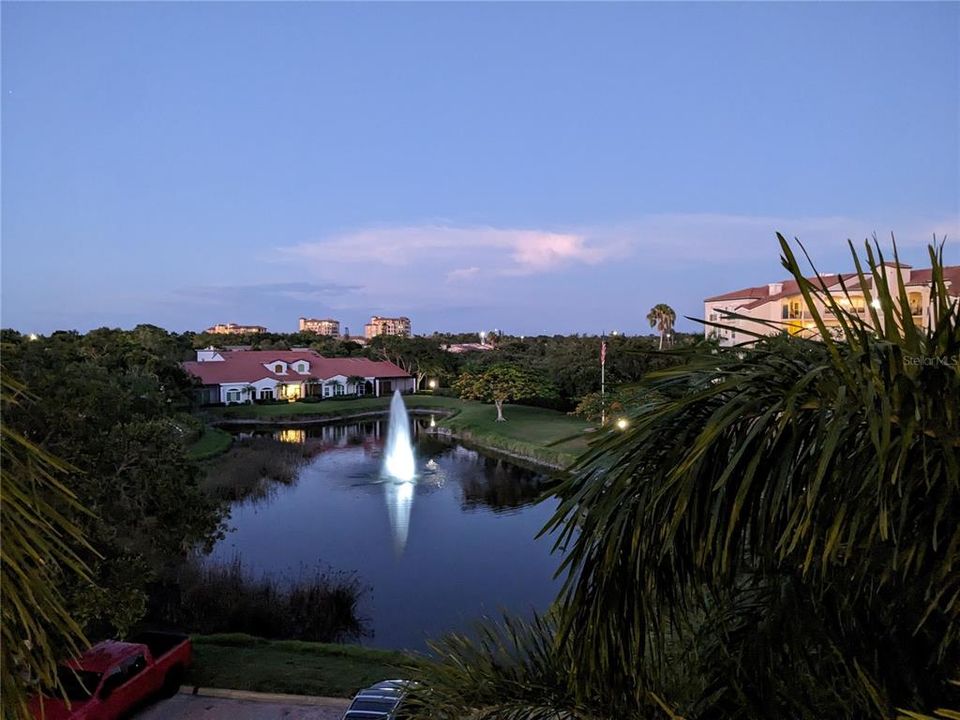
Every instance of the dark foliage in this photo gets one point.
(318, 605)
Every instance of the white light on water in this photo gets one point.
(399, 505)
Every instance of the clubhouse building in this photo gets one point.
(241, 376)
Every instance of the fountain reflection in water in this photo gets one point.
(399, 469)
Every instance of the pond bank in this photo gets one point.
(538, 437)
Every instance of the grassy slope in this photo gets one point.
(242, 662)
(213, 442)
(542, 434)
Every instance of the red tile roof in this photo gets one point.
(750, 293)
(247, 366)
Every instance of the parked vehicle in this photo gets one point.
(112, 678)
(378, 702)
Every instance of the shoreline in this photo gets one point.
(465, 437)
(469, 441)
(325, 419)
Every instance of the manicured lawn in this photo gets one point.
(213, 442)
(545, 435)
(243, 662)
(536, 426)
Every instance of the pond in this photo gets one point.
(436, 555)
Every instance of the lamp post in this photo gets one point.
(603, 378)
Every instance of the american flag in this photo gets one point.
(603, 351)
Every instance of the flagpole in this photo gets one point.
(603, 378)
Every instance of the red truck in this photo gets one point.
(112, 678)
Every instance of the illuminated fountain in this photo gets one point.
(398, 463)
(399, 470)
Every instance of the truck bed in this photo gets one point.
(160, 643)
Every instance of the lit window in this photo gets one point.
(916, 303)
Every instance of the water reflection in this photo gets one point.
(399, 497)
(292, 435)
(501, 489)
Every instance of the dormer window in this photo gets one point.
(278, 369)
(301, 367)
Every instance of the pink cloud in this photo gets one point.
(504, 250)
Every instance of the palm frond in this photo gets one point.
(40, 545)
(832, 464)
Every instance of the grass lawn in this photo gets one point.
(213, 442)
(539, 434)
(243, 662)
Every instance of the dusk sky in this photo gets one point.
(539, 167)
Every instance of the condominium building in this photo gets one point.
(780, 306)
(320, 327)
(387, 326)
(234, 329)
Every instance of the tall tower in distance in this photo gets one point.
(325, 326)
(379, 325)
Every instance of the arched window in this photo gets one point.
(278, 368)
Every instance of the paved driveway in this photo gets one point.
(200, 707)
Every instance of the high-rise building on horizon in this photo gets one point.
(379, 325)
(234, 329)
(324, 326)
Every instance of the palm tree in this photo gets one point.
(357, 381)
(39, 552)
(662, 317)
(776, 535)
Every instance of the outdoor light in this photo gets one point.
(875, 304)
(622, 424)
(432, 384)
(33, 336)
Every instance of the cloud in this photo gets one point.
(449, 249)
(462, 273)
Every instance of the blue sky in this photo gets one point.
(532, 167)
